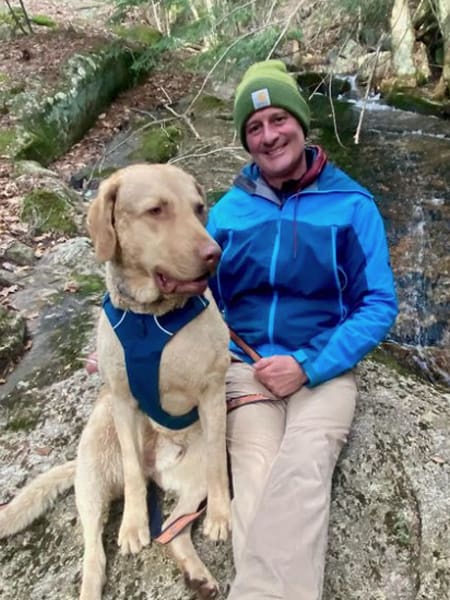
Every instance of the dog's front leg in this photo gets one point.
(134, 530)
(213, 422)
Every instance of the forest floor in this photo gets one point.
(41, 55)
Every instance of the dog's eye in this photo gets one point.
(200, 210)
(155, 211)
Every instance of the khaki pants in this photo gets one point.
(283, 453)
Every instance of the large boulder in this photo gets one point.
(389, 535)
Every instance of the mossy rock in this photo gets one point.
(49, 211)
(319, 82)
(157, 145)
(12, 337)
(49, 126)
(138, 33)
(417, 100)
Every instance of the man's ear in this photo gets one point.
(100, 219)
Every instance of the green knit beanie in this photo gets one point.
(264, 84)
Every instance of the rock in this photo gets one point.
(378, 67)
(31, 167)
(50, 210)
(20, 254)
(12, 337)
(7, 278)
(157, 145)
(389, 529)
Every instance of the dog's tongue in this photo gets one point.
(168, 285)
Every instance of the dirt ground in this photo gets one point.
(42, 54)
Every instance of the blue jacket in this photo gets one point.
(306, 275)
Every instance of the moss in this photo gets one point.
(398, 527)
(12, 337)
(90, 285)
(7, 137)
(24, 421)
(413, 99)
(48, 211)
(139, 33)
(43, 21)
(69, 341)
(158, 145)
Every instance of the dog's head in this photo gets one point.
(148, 221)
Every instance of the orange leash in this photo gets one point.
(177, 526)
(244, 346)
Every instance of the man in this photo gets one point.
(305, 281)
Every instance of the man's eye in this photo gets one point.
(155, 211)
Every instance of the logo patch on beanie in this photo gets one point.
(261, 98)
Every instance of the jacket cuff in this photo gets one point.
(305, 363)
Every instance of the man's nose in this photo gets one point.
(270, 134)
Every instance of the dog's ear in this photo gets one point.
(200, 189)
(100, 219)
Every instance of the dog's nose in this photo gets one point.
(210, 254)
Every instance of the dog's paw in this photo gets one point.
(217, 525)
(133, 536)
(206, 588)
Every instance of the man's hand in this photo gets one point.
(282, 375)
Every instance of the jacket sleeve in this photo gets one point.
(369, 294)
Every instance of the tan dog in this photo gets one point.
(147, 224)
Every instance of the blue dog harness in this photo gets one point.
(143, 338)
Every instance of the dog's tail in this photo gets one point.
(35, 498)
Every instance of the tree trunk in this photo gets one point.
(403, 40)
(443, 7)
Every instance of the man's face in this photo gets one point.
(276, 141)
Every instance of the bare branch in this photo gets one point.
(27, 19)
(15, 17)
(368, 88)
(202, 154)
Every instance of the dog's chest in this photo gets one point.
(189, 365)
(169, 374)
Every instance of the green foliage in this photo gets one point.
(139, 33)
(223, 29)
(43, 21)
(241, 55)
(372, 17)
(295, 34)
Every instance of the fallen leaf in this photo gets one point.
(71, 287)
(438, 460)
(43, 451)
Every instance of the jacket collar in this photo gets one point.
(251, 180)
